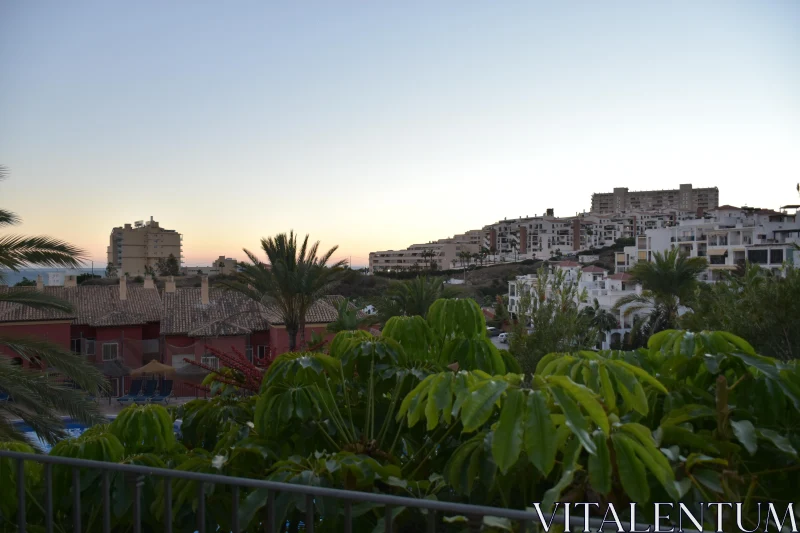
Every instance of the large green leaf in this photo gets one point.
(575, 419)
(474, 354)
(540, 433)
(746, 434)
(460, 318)
(507, 441)
(641, 374)
(586, 399)
(144, 428)
(780, 442)
(600, 464)
(414, 335)
(686, 413)
(480, 403)
(632, 473)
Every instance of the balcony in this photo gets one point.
(235, 490)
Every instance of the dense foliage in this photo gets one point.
(692, 418)
(554, 322)
(755, 304)
(669, 282)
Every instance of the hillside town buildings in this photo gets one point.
(136, 248)
(444, 253)
(684, 198)
(621, 214)
(727, 236)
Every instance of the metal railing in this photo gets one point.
(526, 520)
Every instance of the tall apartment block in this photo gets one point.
(684, 198)
(134, 246)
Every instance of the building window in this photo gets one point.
(776, 256)
(89, 347)
(110, 351)
(178, 360)
(210, 361)
(262, 351)
(758, 257)
(75, 345)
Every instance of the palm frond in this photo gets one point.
(74, 367)
(36, 300)
(17, 251)
(7, 218)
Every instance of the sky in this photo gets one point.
(376, 125)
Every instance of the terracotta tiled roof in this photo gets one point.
(593, 268)
(95, 305)
(624, 276)
(567, 264)
(21, 313)
(725, 207)
(321, 312)
(227, 313)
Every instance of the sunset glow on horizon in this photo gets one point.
(376, 127)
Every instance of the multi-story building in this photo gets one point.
(134, 247)
(542, 237)
(221, 266)
(685, 198)
(726, 236)
(420, 256)
(593, 284)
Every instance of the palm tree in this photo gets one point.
(291, 281)
(411, 297)
(600, 319)
(41, 391)
(346, 318)
(669, 282)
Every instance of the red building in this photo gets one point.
(122, 327)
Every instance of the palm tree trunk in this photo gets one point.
(291, 331)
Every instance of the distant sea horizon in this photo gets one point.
(11, 278)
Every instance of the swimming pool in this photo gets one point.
(73, 429)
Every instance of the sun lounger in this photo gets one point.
(165, 392)
(133, 393)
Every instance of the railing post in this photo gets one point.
(235, 517)
(167, 505)
(431, 521)
(309, 513)
(21, 521)
(137, 505)
(201, 508)
(348, 517)
(106, 502)
(474, 523)
(76, 499)
(271, 512)
(387, 520)
(48, 498)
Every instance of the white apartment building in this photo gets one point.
(444, 252)
(726, 236)
(594, 283)
(542, 237)
(684, 198)
(133, 247)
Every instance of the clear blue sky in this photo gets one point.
(376, 126)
